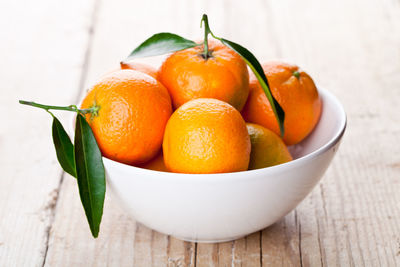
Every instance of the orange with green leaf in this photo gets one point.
(297, 94)
(212, 71)
(133, 109)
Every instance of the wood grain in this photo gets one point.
(351, 211)
(41, 59)
(352, 218)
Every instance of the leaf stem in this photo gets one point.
(207, 31)
(73, 108)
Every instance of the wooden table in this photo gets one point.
(52, 50)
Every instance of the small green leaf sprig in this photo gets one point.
(82, 160)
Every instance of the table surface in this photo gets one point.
(51, 51)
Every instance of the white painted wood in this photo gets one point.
(42, 50)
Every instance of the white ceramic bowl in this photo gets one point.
(222, 207)
(227, 206)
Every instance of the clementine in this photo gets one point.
(133, 109)
(206, 136)
(267, 149)
(297, 94)
(149, 70)
(223, 75)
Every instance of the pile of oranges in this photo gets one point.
(200, 114)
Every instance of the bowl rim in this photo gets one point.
(240, 175)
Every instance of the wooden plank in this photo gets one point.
(247, 251)
(242, 252)
(280, 243)
(42, 53)
(156, 249)
(181, 253)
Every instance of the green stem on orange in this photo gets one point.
(93, 109)
(207, 31)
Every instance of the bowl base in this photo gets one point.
(209, 241)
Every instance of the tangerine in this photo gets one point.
(133, 109)
(223, 75)
(206, 136)
(297, 94)
(149, 70)
(267, 148)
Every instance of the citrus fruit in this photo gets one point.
(188, 75)
(295, 91)
(133, 109)
(149, 70)
(206, 136)
(267, 149)
(156, 164)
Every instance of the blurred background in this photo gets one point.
(51, 51)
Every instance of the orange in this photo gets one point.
(149, 70)
(156, 164)
(188, 75)
(206, 136)
(295, 91)
(267, 149)
(133, 111)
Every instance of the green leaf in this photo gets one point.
(90, 174)
(64, 147)
(161, 43)
(258, 71)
